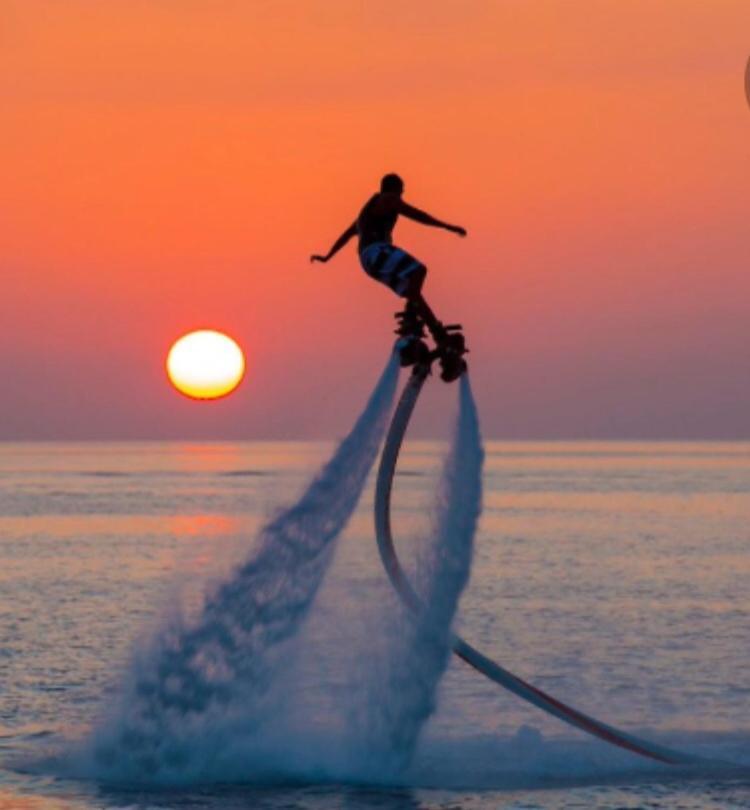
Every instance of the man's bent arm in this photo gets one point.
(426, 219)
(338, 244)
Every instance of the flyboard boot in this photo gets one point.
(450, 351)
(411, 345)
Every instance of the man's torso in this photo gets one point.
(376, 220)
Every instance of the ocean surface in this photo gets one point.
(615, 576)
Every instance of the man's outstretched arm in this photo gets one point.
(337, 245)
(426, 219)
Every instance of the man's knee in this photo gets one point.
(416, 280)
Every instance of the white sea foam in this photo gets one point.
(401, 677)
(205, 683)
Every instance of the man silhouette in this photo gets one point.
(385, 262)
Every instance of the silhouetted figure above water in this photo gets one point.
(384, 261)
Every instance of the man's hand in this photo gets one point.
(337, 245)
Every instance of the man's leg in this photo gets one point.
(451, 346)
(417, 300)
(428, 316)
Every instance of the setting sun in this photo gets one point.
(205, 364)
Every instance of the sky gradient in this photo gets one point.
(168, 165)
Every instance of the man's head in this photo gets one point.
(392, 184)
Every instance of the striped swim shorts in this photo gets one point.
(390, 265)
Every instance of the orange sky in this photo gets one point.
(169, 165)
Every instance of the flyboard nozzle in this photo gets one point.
(450, 345)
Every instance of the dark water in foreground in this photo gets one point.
(615, 576)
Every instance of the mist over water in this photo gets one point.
(402, 679)
(201, 684)
(214, 699)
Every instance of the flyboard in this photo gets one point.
(453, 365)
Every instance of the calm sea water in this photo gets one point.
(614, 575)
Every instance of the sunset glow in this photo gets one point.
(205, 364)
(595, 151)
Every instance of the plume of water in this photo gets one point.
(202, 683)
(403, 679)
